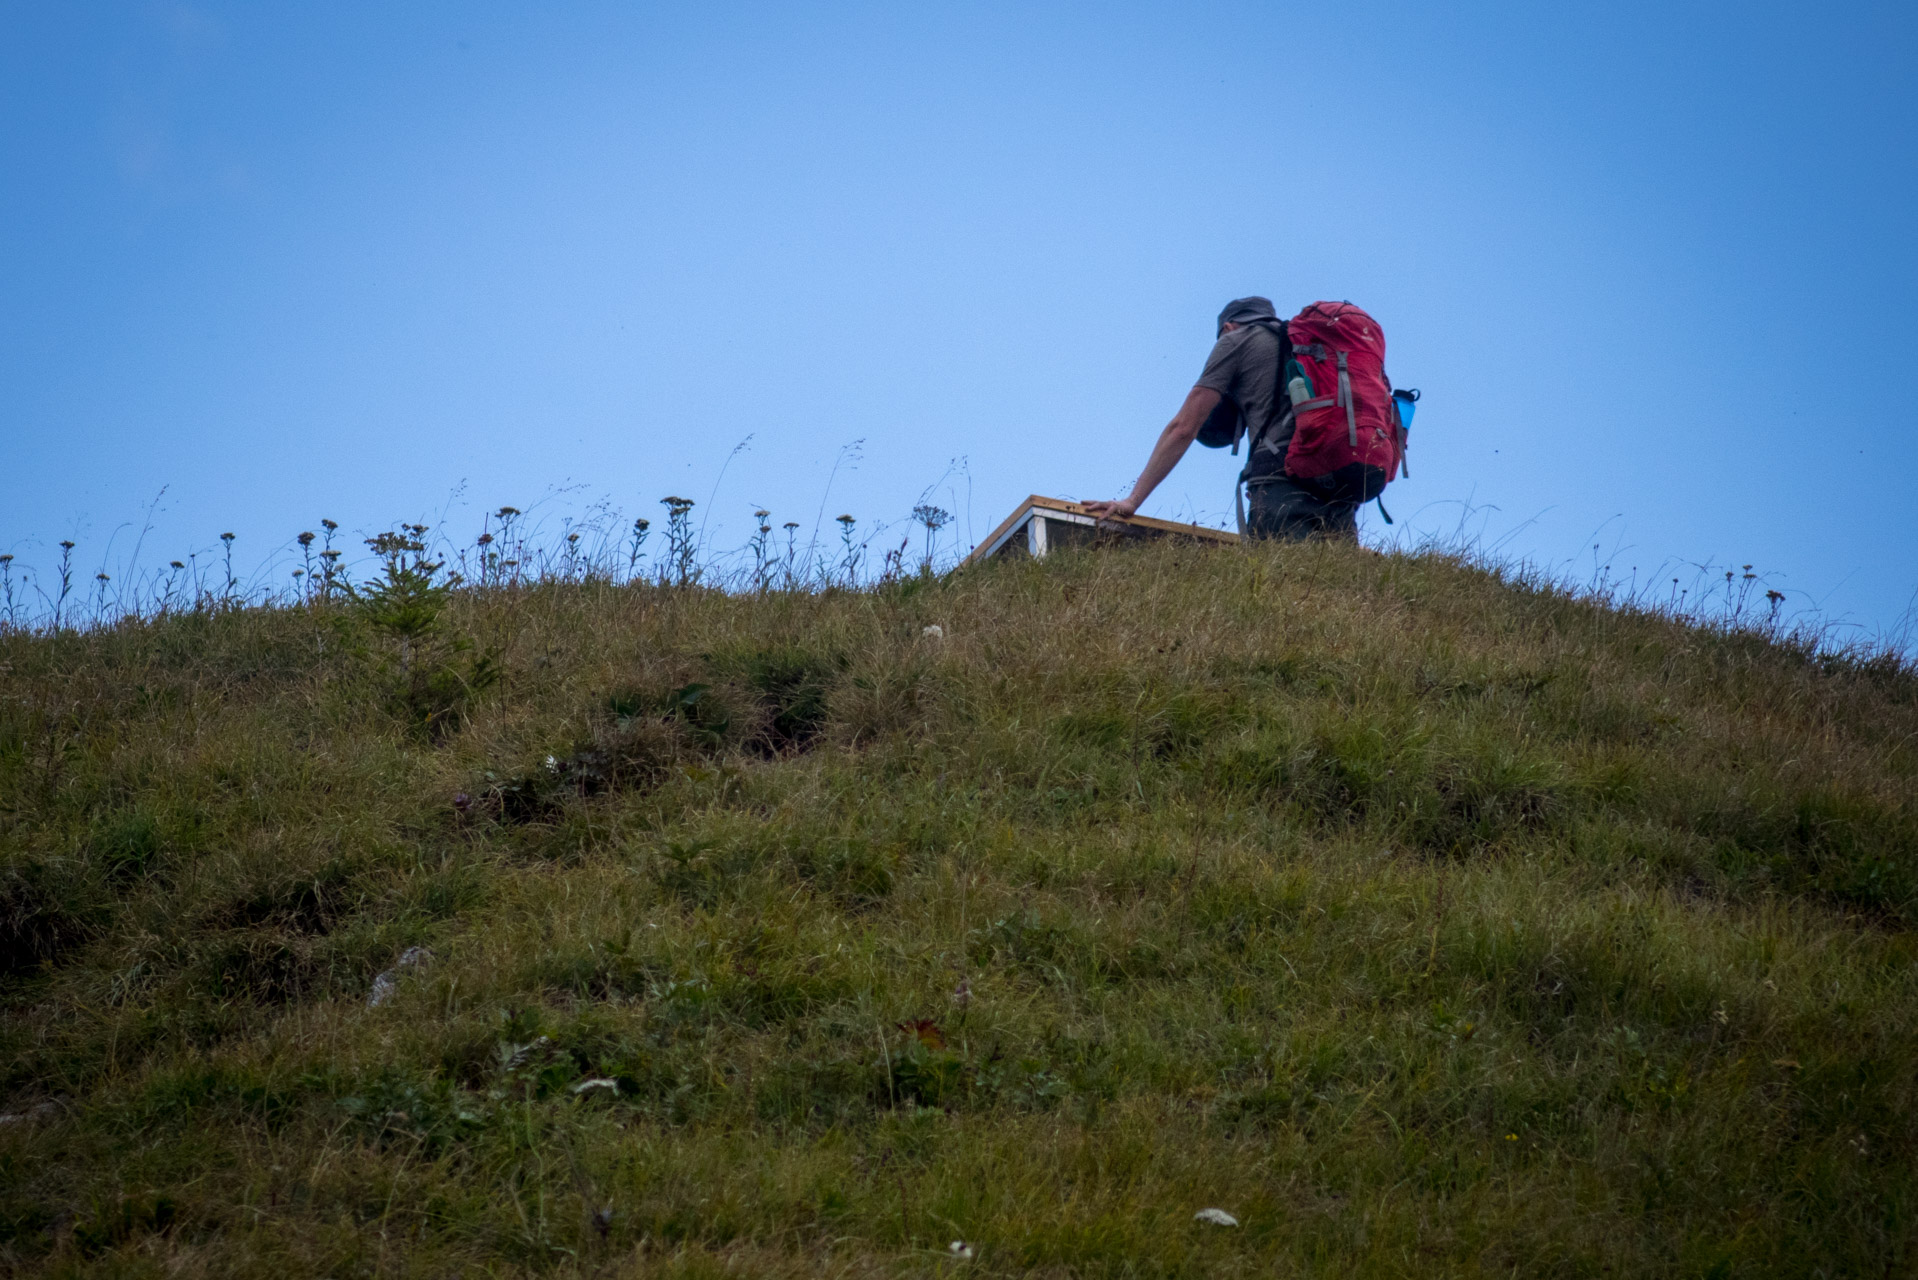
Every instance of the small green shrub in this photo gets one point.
(396, 1107)
(432, 672)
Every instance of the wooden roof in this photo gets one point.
(1075, 513)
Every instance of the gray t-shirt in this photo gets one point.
(1244, 369)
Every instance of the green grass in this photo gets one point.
(1429, 923)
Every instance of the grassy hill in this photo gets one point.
(1426, 923)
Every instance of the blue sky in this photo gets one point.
(1651, 265)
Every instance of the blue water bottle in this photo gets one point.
(1408, 402)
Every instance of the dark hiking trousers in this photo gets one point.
(1281, 507)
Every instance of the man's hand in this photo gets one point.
(1116, 509)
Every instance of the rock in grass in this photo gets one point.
(1217, 1217)
(387, 983)
(35, 1114)
(585, 1087)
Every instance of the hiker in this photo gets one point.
(1294, 492)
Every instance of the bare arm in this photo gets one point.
(1173, 442)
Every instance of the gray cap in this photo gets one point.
(1244, 310)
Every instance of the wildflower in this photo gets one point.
(960, 1250)
(934, 632)
(462, 801)
(1217, 1217)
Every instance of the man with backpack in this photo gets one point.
(1324, 430)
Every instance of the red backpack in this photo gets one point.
(1348, 434)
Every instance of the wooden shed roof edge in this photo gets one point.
(992, 541)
